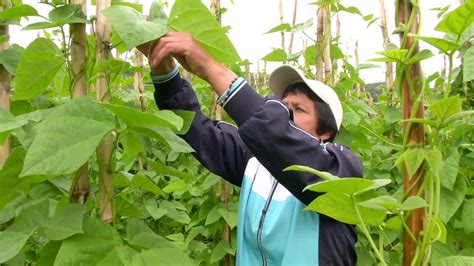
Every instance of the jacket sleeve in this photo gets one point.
(218, 145)
(267, 129)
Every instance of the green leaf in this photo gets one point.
(452, 201)
(310, 55)
(140, 235)
(179, 216)
(68, 137)
(214, 215)
(454, 260)
(11, 243)
(8, 122)
(98, 239)
(40, 26)
(155, 212)
(165, 256)
(175, 186)
(444, 45)
(446, 107)
(277, 55)
(16, 12)
(413, 159)
(66, 222)
(219, 251)
(281, 27)
(132, 28)
(36, 214)
(434, 159)
(144, 182)
(394, 55)
(9, 181)
(413, 202)
(48, 253)
(420, 56)
(37, 68)
(468, 216)
(381, 203)
(229, 217)
(458, 20)
(194, 17)
(347, 185)
(323, 175)
(302, 26)
(340, 206)
(468, 66)
(10, 58)
(67, 14)
(167, 137)
(392, 115)
(335, 52)
(135, 118)
(449, 170)
(188, 117)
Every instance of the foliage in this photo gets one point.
(167, 207)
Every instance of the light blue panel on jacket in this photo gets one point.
(290, 235)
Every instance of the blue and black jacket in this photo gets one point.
(273, 228)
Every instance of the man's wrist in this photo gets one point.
(163, 68)
(220, 77)
(165, 77)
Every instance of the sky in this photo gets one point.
(250, 19)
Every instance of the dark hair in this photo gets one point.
(325, 119)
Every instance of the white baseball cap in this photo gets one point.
(286, 75)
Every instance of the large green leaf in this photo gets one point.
(301, 168)
(340, 206)
(90, 247)
(11, 243)
(135, 118)
(446, 107)
(59, 16)
(394, 55)
(68, 137)
(468, 66)
(9, 181)
(449, 169)
(10, 58)
(37, 214)
(37, 68)
(219, 251)
(444, 45)
(167, 137)
(66, 222)
(17, 12)
(450, 202)
(48, 253)
(132, 28)
(194, 17)
(343, 185)
(8, 122)
(458, 20)
(171, 256)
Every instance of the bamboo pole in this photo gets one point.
(105, 149)
(411, 81)
(319, 44)
(5, 87)
(282, 20)
(356, 59)
(327, 46)
(79, 88)
(293, 23)
(388, 65)
(217, 115)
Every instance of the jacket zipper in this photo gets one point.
(262, 220)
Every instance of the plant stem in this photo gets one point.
(367, 234)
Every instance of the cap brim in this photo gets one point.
(283, 76)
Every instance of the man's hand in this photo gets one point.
(190, 55)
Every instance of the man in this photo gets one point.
(273, 134)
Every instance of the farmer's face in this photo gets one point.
(304, 113)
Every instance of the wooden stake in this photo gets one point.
(105, 149)
(320, 44)
(79, 88)
(411, 79)
(5, 87)
(282, 20)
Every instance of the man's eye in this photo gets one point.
(298, 109)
